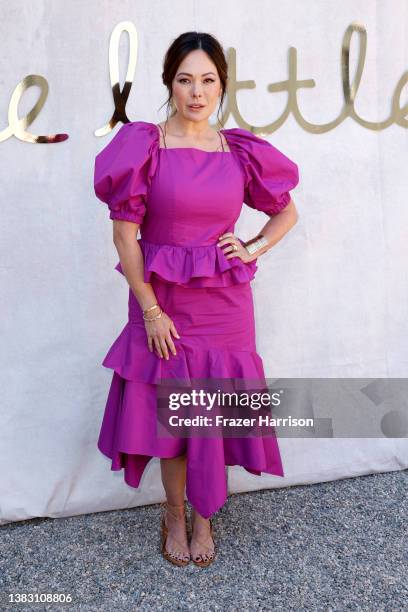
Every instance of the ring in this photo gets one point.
(234, 246)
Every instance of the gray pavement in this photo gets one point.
(339, 545)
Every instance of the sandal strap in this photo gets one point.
(166, 507)
(209, 520)
(167, 552)
(176, 552)
(203, 542)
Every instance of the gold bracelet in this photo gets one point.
(151, 307)
(255, 244)
(153, 318)
(146, 310)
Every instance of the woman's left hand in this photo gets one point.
(234, 248)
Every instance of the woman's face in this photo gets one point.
(196, 83)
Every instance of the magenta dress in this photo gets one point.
(184, 199)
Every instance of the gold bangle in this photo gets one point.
(257, 243)
(151, 308)
(153, 318)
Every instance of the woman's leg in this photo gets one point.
(173, 473)
(202, 544)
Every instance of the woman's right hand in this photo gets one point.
(159, 335)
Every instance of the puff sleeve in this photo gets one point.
(269, 174)
(123, 170)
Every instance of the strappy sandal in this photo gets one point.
(164, 533)
(211, 555)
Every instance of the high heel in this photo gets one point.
(211, 555)
(164, 533)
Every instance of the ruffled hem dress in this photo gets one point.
(183, 199)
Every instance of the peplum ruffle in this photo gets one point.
(197, 266)
(129, 356)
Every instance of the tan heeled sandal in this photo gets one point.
(211, 555)
(166, 507)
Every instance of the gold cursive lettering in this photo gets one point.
(398, 114)
(16, 126)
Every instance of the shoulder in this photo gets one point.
(143, 131)
(257, 151)
(124, 167)
(141, 127)
(267, 167)
(247, 141)
(133, 141)
(240, 133)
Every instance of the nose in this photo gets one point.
(196, 89)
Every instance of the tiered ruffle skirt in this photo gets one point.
(217, 340)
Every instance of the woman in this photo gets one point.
(190, 300)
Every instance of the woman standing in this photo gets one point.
(191, 309)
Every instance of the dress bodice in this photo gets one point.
(185, 198)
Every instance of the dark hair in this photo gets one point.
(180, 47)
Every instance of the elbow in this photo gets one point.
(293, 211)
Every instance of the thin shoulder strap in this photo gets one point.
(222, 144)
(164, 137)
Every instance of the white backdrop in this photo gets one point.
(330, 298)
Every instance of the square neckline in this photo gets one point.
(191, 148)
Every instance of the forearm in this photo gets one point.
(132, 263)
(275, 229)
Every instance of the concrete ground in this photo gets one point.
(332, 546)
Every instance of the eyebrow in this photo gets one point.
(188, 74)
